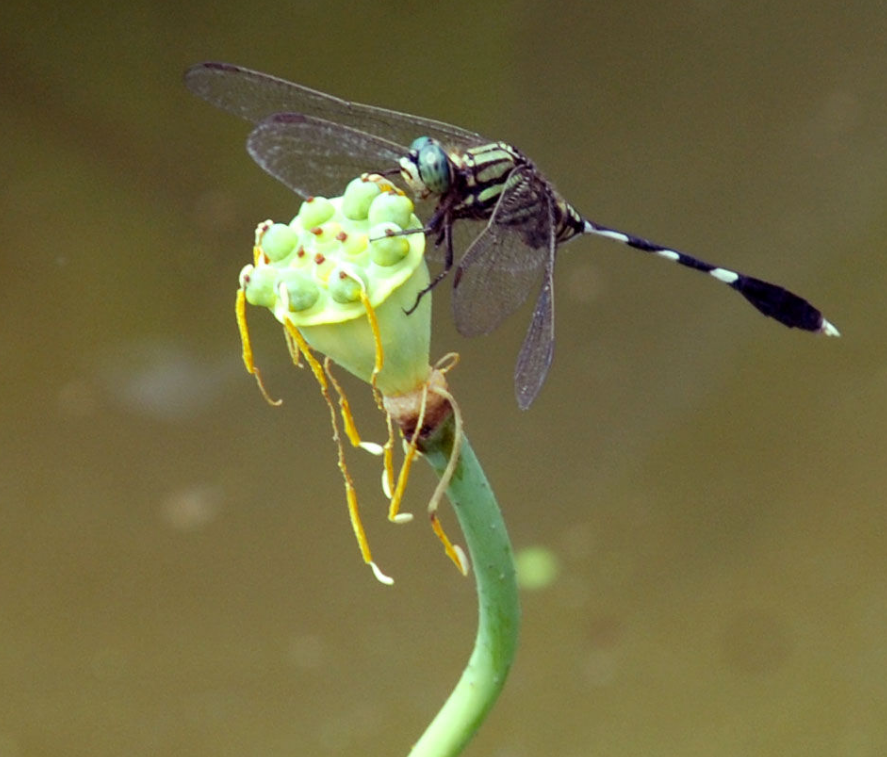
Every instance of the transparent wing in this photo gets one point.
(316, 157)
(537, 351)
(463, 233)
(255, 96)
(494, 277)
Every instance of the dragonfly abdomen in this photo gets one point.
(770, 299)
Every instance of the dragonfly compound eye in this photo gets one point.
(433, 164)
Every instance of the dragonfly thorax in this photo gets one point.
(426, 168)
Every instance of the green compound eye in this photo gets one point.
(302, 292)
(343, 285)
(393, 208)
(358, 197)
(279, 242)
(387, 245)
(315, 211)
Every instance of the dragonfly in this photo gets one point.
(314, 143)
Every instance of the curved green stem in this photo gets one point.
(499, 609)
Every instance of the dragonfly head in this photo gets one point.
(427, 168)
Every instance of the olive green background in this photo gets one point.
(177, 572)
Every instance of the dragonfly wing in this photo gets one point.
(256, 96)
(464, 233)
(316, 157)
(537, 351)
(497, 271)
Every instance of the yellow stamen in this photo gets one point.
(293, 349)
(344, 406)
(378, 363)
(350, 492)
(454, 553)
(251, 367)
(388, 456)
(409, 455)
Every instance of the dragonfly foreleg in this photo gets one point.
(445, 236)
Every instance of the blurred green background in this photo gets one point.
(177, 572)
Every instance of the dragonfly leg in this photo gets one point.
(445, 236)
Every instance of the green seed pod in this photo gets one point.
(259, 284)
(358, 197)
(315, 211)
(279, 242)
(386, 249)
(302, 291)
(353, 244)
(345, 283)
(318, 286)
(325, 237)
(393, 208)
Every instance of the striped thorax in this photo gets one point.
(471, 182)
